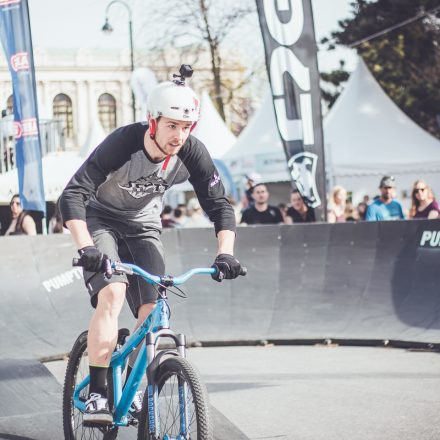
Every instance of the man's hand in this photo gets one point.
(228, 267)
(92, 259)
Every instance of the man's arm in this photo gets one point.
(80, 233)
(226, 241)
(110, 155)
(28, 225)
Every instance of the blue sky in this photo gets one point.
(78, 23)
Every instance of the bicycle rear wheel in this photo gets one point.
(178, 417)
(77, 369)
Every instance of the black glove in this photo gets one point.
(92, 259)
(228, 267)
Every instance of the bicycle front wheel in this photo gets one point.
(182, 404)
(77, 370)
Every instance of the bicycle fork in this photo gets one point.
(152, 389)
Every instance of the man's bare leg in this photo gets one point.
(103, 328)
(101, 341)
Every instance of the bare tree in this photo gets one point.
(197, 29)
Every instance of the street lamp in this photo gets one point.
(107, 29)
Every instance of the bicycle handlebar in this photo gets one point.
(166, 280)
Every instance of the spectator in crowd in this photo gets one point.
(299, 212)
(21, 223)
(361, 210)
(252, 180)
(385, 207)
(350, 213)
(166, 217)
(56, 222)
(283, 209)
(336, 205)
(182, 207)
(179, 218)
(261, 213)
(196, 218)
(423, 203)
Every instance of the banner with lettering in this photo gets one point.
(15, 36)
(290, 49)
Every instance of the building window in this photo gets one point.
(107, 112)
(10, 105)
(62, 110)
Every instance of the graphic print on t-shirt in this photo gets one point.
(145, 185)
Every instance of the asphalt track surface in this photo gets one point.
(271, 392)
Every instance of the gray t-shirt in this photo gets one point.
(121, 182)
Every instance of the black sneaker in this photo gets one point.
(97, 412)
(136, 406)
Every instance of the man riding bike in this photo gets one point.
(112, 207)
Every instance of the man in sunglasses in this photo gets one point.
(385, 207)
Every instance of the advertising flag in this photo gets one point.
(290, 50)
(15, 36)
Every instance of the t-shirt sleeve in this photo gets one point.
(402, 215)
(207, 184)
(108, 156)
(245, 217)
(371, 213)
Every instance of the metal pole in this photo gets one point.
(130, 29)
(133, 101)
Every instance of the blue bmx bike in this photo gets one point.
(175, 403)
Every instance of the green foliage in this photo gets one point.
(336, 78)
(405, 61)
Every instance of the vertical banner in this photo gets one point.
(290, 48)
(15, 36)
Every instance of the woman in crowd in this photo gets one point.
(337, 205)
(423, 201)
(22, 223)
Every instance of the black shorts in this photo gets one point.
(119, 243)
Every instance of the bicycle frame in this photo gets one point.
(155, 326)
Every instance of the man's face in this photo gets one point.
(296, 201)
(260, 194)
(172, 134)
(387, 193)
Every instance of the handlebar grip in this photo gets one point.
(243, 271)
(108, 268)
(75, 262)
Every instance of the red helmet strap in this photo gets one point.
(152, 128)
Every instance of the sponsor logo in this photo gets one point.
(17, 130)
(430, 239)
(285, 24)
(9, 2)
(145, 185)
(63, 279)
(302, 167)
(151, 406)
(20, 61)
(27, 127)
(215, 180)
(283, 60)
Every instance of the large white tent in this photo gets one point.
(212, 130)
(58, 168)
(367, 135)
(259, 148)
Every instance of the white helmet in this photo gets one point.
(173, 101)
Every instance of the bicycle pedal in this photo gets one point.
(133, 421)
(92, 424)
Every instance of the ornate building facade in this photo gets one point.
(78, 87)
